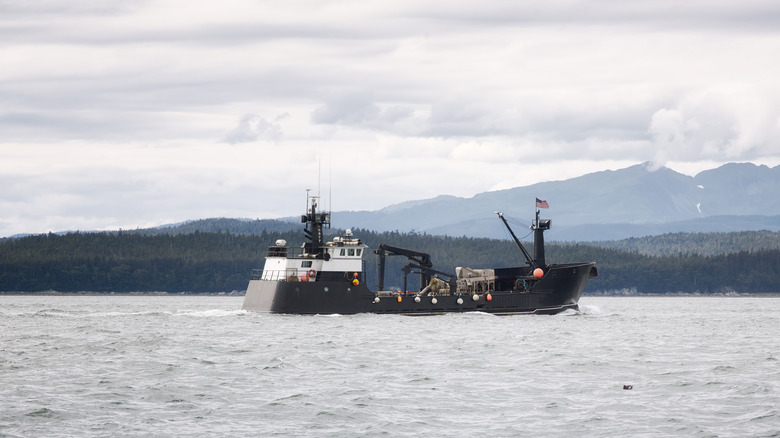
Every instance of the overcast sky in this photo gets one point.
(125, 114)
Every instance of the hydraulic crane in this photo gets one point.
(420, 263)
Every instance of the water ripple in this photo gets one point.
(184, 366)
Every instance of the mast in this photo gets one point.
(517, 241)
(539, 226)
(314, 221)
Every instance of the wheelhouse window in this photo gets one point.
(358, 251)
(352, 252)
(342, 251)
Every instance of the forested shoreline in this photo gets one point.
(209, 262)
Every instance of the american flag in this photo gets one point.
(541, 203)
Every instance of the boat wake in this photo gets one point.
(214, 313)
(583, 310)
(589, 310)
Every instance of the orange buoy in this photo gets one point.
(355, 274)
(355, 282)
(304, 277)
(399, 298)
(489, 297)
(538, 273)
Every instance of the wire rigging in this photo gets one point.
(517, 251)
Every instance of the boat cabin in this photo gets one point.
(339, 259)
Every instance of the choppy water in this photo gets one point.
(185, 366)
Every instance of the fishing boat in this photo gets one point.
(322, 277)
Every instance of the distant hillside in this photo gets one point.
(655, 243)
(213, 262)
(712, 224)
(223, 225)
(608, 205)
(490, 228)
(705, 244)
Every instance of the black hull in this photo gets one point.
(558, 290)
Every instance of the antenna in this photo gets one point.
(319, 172)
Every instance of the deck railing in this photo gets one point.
(293, 274)
(275, 275)
(285, 251)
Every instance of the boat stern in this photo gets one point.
(260, 295)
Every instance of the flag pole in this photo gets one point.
(539, 233)
(536, 225)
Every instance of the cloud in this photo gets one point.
(252, 127)
(716, 125)
(71, 8)
(354, 109)
(667, 14)
(358, 110)
(135, 100)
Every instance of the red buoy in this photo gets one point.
(538, 273)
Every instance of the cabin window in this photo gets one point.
(352, 251)
(342, 251)
(306, 264)
(358, 251)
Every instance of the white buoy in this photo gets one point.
(434, 300)
(416, 299)
(475, 297)
(460, 300)
(376, 299)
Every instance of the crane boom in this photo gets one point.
(418, 259)
(517, 241)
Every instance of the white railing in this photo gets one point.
(280, 275)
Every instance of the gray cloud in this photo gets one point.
(150, 92)
(56, 8)
(715, 125)
(668, 14)
(358, 110)
(251, 128)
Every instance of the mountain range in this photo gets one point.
(614, 204)
(640, 200)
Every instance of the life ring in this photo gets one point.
(312, 273)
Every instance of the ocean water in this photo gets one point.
(185, 366)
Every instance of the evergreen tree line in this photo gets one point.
(222, 262)
(697, 243)
(223, 225)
